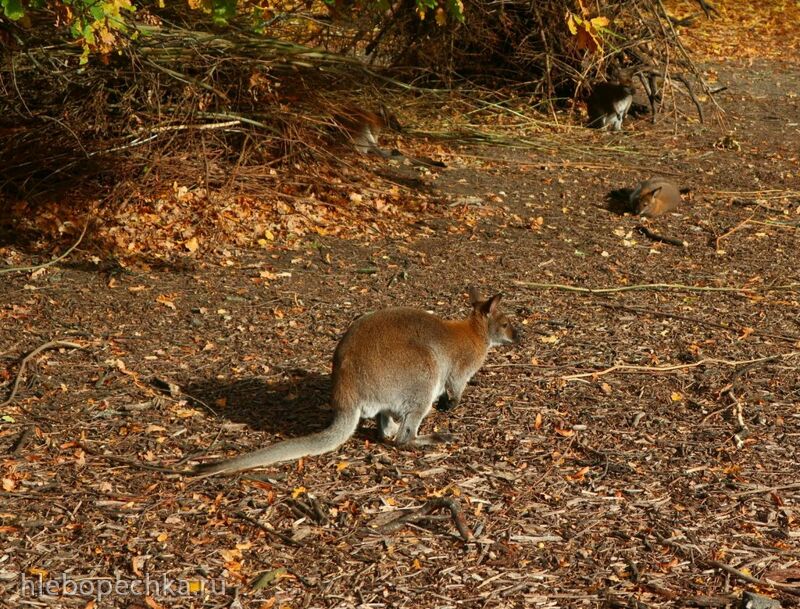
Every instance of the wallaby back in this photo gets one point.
(363, 127)
(393, 364)
(655, 197)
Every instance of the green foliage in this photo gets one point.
(223, 10)
(12, 9)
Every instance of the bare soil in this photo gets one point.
(639, 449)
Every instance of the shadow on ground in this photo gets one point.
(295, 404)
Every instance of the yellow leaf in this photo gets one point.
(191, 244)
(599, 22)
(676, 397)
(441, 16)
(298, 491)
(537, 424)
(231, 555)
(341, 465)
(9, 485)
(165, 300)
(196, 586)
(571, 25)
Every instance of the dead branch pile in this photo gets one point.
(184, 91)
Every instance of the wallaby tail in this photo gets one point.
(342, 428)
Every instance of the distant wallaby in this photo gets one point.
(609, 102)
(392, 364)
(363, 128)
(655, 197)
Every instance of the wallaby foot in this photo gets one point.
(431, 439)
(387, 426)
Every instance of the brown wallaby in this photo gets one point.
(363, 128)
(392, 364)
(655, 197)
(609, 102)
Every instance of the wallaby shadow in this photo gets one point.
(619, 201)
(295, 403)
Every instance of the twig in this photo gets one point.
(654, 286)
(710, 601)
(731, 231)
(769, 489)
(131, 462)
(21, 441)
(794, 590)
(21, 269)
(654, 369)
(424, 512)
(652, 235)
(51, 345)
(284, 538)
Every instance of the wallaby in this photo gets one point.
(363, 128)
(392, 364)
(609, 102)
(655, 197)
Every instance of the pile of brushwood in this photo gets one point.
(88, 97)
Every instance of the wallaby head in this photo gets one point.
(499, 329)
(393, 364)
(655, 197)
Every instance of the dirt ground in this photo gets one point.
(639, 449)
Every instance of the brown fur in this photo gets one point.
(363, 128)
(655, 197)
(392, 365)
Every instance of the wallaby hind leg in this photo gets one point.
(409, 426)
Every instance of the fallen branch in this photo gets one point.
(424, 513)
(677, 287)
(653, 236)
(695, 320)
(22, 269)
(56, 344)
(793, 590)
(655, 369)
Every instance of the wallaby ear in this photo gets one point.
(474, 295)
(656, 191)
(489, 307)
